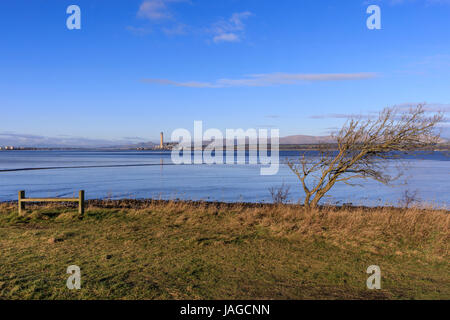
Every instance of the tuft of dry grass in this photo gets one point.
(210, 250)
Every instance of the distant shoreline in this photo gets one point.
(286, 147)
(127, 203)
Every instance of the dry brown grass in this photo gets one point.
(345, 225)
(256, 249)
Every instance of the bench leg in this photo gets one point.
(81, 203)
(20, 204)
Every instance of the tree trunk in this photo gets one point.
(316, 199)
(307, 199)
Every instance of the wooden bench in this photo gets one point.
(22, 199)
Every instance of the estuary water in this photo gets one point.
(151, 174)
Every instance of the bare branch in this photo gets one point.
(363, 148)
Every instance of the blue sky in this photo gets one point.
(140, 67)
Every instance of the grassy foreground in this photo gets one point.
(187, 250)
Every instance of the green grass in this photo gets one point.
(178, 250)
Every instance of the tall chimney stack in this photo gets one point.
(161, 143)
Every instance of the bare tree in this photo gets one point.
(409, 198)
(280, 194)
(363, 148)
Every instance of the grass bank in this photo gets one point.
(187, 250)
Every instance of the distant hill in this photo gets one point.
(29, 141)
(137, 145)
(303, 139)
(289, 140)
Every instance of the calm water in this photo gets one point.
(428, 176)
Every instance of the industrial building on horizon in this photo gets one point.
(161, 146)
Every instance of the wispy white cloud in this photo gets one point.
(154, 10)
(140, 31)
(231, 30)
(334, 116)
(226, 37)
(428, 107)
(267, 79)
(178, 29)
(435, 61)
(158, 12)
